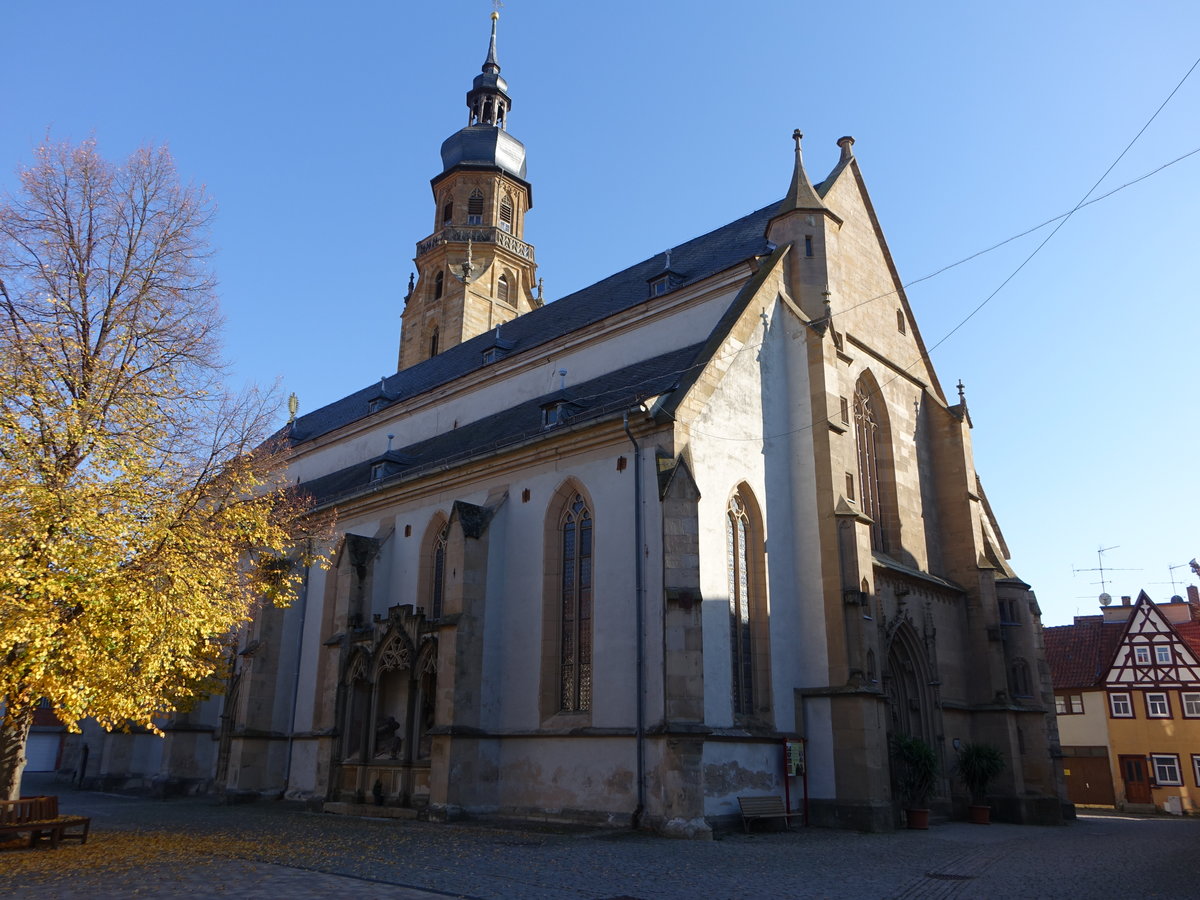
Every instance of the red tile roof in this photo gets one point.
(1079, 654)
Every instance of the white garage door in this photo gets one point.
(42, 752)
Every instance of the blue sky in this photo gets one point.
(316, 128)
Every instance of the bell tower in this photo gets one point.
(475, 271)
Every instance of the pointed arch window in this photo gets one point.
(433, 343)
(437, 585)
(439, 285)
(475, 208)
(506, 213)
(448, 212)
(866, 432)
(575, 642)
(503, 292)
(748, 627)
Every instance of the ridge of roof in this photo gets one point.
(702, 256)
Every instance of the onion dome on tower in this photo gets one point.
(485, 140)
(475, 271)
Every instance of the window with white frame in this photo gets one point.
(1191, 705)
(1162, 654)
(1068, 704)
(1157, 706)
(1119, 706)
(1166, 768)
(1141, 655)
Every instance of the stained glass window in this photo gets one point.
(866, 427)
(575, 660)
(741, 637)
(438, 587)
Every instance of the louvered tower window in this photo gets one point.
(475, 208)
(506, 214)
(502, 289)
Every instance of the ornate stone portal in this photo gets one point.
(386, 698)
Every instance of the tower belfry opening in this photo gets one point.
(480, 201)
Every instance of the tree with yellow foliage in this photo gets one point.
(143, 510)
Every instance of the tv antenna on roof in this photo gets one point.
(1100, 551)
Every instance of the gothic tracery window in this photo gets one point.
(866, 428)
(437, 587)
(575, 642)
(747, 607)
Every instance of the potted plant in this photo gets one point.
(916, 770)
(978, 766)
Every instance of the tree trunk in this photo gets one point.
(14, 734)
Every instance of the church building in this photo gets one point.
(601, 559)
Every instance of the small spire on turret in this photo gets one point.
(801, 194)
(490, 65)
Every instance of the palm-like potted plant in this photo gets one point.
(978, 766)
(916, 770)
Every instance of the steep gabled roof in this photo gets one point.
(606, 396)
(1081, 655)
(694, 261)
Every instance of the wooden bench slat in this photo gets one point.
(39, 817)
(765, 807)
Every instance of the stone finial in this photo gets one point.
(801, 194)
(847, 144)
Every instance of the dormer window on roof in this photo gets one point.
(666, 280)
(555, 413)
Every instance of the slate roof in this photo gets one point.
(589, 401)
(695, 260)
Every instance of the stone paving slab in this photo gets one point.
(194, 847)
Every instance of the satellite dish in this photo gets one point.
(1105, 598)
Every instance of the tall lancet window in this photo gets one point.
(437, 587)
(748, 627)
(503, 294)
(866, 433)
(575, 646)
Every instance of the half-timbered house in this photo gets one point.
(1127, 693)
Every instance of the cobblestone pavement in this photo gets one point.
(195, 848)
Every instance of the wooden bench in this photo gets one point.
(768, 807)
(38, 817)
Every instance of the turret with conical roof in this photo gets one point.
(475, 271)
